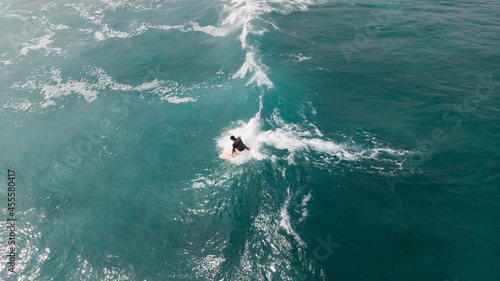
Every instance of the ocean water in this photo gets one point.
(374, 130)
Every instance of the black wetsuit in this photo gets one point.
(238, 144)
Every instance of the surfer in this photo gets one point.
(238, 144)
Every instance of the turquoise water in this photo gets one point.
(374, 129)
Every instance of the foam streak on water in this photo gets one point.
(242, 15)
(57, 88)
(285, 220)
(305, 143)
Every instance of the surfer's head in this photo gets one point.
(232, 138)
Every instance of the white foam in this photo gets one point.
(300, 57)
(39, 36)
(305, 212)
(40, 43)
(51, 85)
(55, 88)
(138, 6)
(241, 15)
(96, 15)
(61, 27)
(148, 85)
(209, 29)
(106, 81)
(236, 15)
(175, 99)
(248, 132)
(99, 36)
(86, 30)
(4, 61)
(22, 104)
(259, 71)
(288, 137)
(291, 142)
(313, 110)
(285, 220)
(112, 33)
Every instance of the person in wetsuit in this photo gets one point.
(238, 144)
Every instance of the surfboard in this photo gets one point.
(227, 155)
